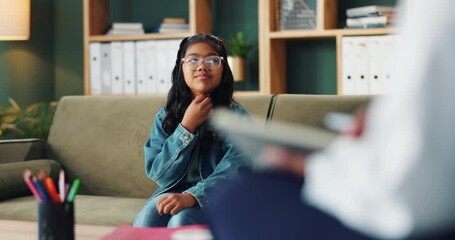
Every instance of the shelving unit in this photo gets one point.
(272, 42)
(96, 22)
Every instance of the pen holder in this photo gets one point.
(55, 220)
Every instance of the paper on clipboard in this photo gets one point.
(251, 138)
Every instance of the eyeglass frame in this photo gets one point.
(203, 61)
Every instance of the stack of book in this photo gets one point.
(119, 28)
(373, 16)
(171, 25)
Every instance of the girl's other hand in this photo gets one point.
(197, 112)
(174, 202)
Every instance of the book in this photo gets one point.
(174, 27)
(174, 20)
(368, 22)
(127, 26)
(121, 28)
(125, 31)
(365, 10)
(252, 138)
(125, 232)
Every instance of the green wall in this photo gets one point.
(229, 17)
(68, 39)
(50, 64)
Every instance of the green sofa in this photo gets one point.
(99, 139)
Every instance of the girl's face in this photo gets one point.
(201, 73)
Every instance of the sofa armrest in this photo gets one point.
(21, 149)
(12, 182)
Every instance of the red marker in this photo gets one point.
(51, 190)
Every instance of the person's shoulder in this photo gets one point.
(238, 109)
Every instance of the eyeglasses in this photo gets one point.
(211, 62)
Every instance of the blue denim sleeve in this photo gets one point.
(166, 155)
(233, 162)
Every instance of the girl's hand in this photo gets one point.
(197, 112)
(174, 202)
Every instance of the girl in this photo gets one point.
(183, 155)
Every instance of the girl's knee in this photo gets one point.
(149, 217)
(187, 216)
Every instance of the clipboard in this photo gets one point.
(251, 138)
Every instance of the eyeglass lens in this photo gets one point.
(211, 62)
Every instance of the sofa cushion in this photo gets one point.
(12, 182)
(89, 210)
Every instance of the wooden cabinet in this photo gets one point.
(96, 22)
(272, 42)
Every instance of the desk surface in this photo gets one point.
(22, 230)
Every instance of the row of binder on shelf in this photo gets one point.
(132, 67)
(368, 64)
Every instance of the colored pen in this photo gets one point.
(51, 190)
(67, 189)
(31, 186)
(61, 185)
(41, 175)
(73, 190)
(41, 190)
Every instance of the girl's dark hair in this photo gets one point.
(180, 95)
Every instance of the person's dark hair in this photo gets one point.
(180, 95)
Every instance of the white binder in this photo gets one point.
(141, 67)
(389, 62)
(106, 86)
(382, 63)
(117, 67)
(163, 65)
(172, 47)
(348, 65)
(152, 66)
(375, 59)
(129, 68)
(361, 77)
(95, 68)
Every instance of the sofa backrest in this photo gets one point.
(311, 109)
(100, 139)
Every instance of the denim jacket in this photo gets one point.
(167, 159)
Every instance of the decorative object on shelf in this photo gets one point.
(32, 122)
(295, 14)
(238, 49)
(14, 20)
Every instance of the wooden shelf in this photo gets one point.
(272, 42)
(96, 22)
(148, 36)
(330, 33)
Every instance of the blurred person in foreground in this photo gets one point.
(393, 180)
